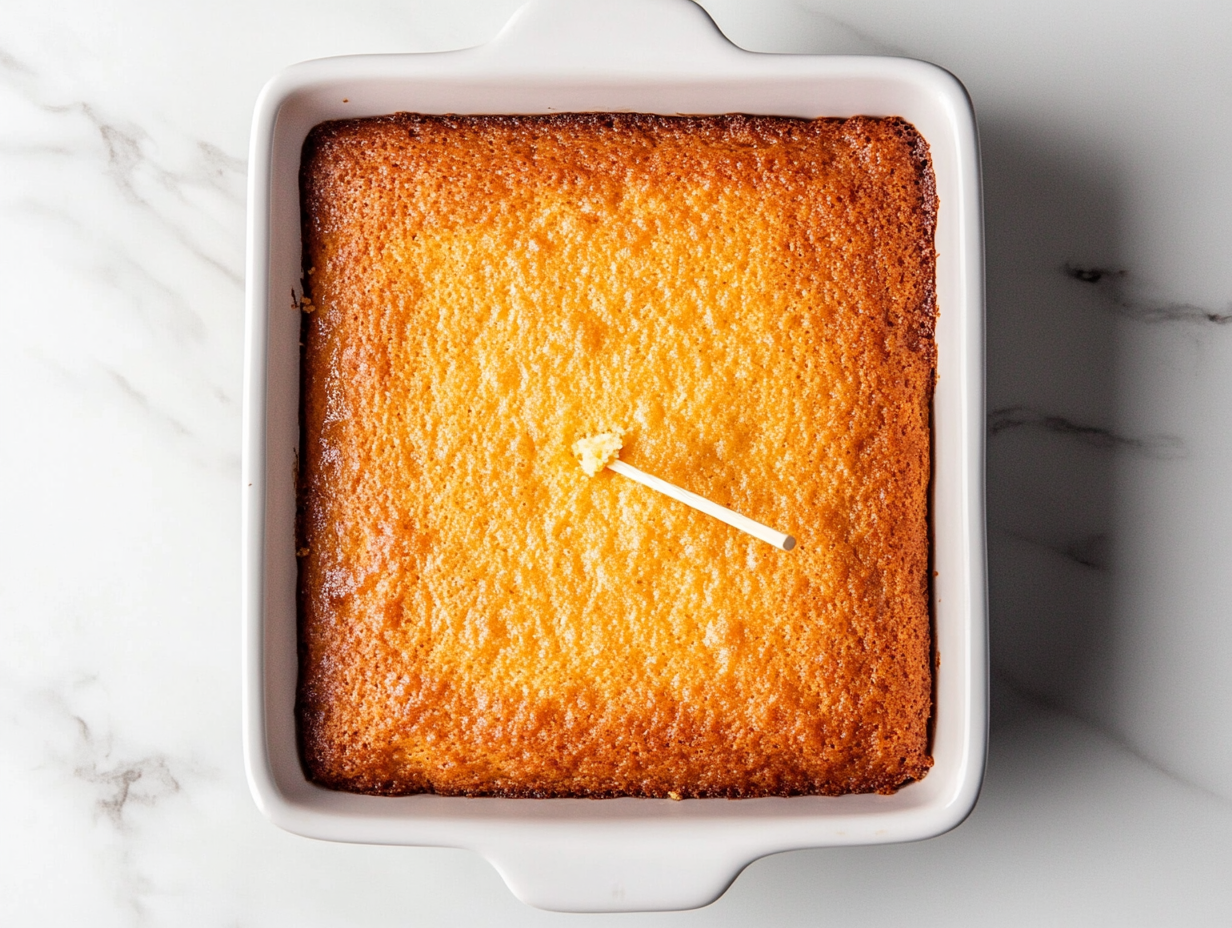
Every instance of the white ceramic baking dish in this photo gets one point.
(657, 56)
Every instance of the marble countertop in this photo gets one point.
(123, 133)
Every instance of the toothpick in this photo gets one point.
(603, 450)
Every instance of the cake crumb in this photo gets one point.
(301, 552)
(598, 451)
(674, 796)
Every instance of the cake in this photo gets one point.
(749, 302)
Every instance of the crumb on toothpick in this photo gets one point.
(598, 451)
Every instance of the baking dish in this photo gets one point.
(660, 56)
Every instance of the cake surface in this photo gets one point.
(751, 299)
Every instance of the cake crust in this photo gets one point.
(752, 300)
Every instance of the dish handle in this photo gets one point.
(647, 872)
(608, 37)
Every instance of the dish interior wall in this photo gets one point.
(956, 586)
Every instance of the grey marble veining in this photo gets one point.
(1109, 214)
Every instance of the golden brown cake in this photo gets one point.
(751, 299)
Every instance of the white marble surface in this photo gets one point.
(123, 130)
